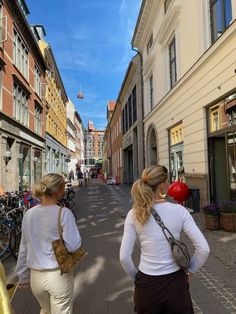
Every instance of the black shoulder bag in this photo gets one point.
(179, 249)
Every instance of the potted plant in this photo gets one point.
(212, 216)
(228, 215)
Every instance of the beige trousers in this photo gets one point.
(53, 291)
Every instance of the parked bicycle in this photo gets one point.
(69, 198)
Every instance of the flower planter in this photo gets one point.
(212, 222)
(228, 221)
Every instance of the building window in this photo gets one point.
(215, 119)
(134, 100)
(221, 16)
(149, 44)
(151, 91)
(21, 112)
(1, 78)
(126, 117)
(130, 111)
(37, 82)
(172, 60)
(167, 4)
(20, 55)
(123, 121)
(38, 119)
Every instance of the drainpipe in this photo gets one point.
(142, 100)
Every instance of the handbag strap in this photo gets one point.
(164, 229)
(59, 222)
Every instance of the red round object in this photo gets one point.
(179, 191)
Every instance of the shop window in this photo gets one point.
(215, 119)
(232, 117)
(24, 167)
(176, 152)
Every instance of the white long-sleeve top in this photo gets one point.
(39, 229)
(156, 255)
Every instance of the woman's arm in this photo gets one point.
(71, 235)
(199, 242)
(22, 270)
(127, 246)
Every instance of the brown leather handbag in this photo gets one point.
(67, 261)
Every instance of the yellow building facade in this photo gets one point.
(56, 155)
(56, 103)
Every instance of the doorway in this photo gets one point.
(218, 168)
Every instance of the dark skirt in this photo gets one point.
(165, 294)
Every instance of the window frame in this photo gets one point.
(172, 61)
(20, 103)
(151, 90)
(214, 20)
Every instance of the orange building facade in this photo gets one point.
(22, 107)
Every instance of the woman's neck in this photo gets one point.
(159, 200)
(48, 201)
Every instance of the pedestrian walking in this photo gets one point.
(71, 175)
(161, 286)
(80, 178)
(36, 263)
(86, 177)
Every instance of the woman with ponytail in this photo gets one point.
(161, 287)
(37, 265)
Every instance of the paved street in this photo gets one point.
(102, 287)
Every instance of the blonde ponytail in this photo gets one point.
(143, 191)
(50, 184)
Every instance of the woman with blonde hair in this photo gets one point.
(161, 286)
(37, 263)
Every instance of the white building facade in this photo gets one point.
(71, 135)
(189, 79)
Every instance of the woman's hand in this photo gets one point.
(190, 275)
(24, 285)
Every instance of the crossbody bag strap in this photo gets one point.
(59, 222)
(163, 227)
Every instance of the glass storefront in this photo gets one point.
(37, 167)
(24, 167)
(176, 152)
(222, 149)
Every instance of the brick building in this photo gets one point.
(22, 110)
(93, 139)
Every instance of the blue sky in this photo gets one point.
(91, 42)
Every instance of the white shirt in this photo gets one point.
(156, 255)
(39, 229)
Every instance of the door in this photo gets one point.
(219, 183)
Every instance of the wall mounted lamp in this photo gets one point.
(20, 156)
(7, 156)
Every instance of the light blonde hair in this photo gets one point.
(143, 191)
(51, 183)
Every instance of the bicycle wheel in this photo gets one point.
(5, 232)
(70, 195)
(15, 239)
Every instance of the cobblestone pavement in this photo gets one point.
(102, 287)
